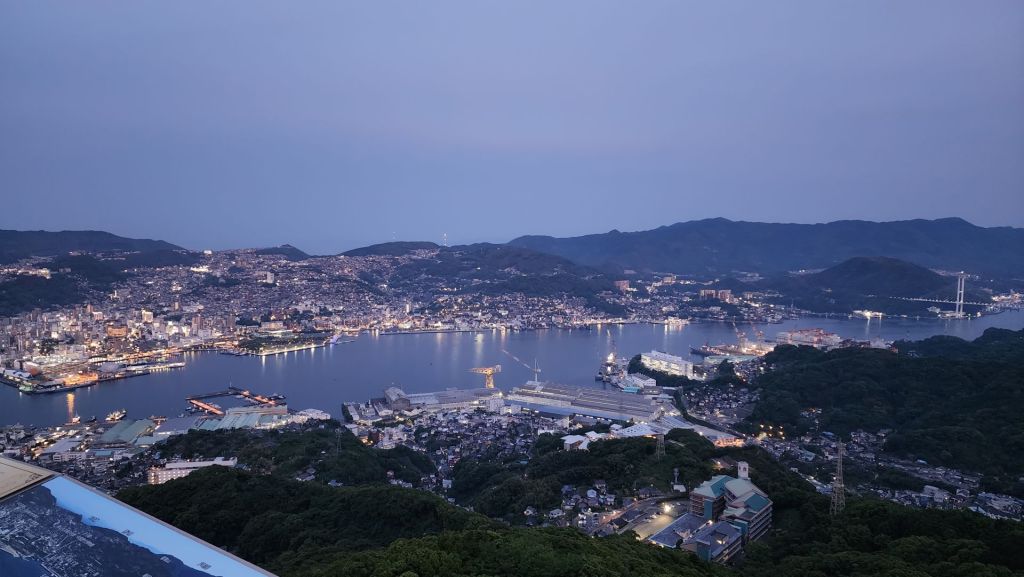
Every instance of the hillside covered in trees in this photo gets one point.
(374, 530)
(946, 400)
(309, 529)
(74, 279)
(869, 283)
(332, 453)
(18, 244)
(78, 278)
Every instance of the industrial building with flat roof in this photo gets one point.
(256, 417)
(588, 401)
(666, 363)
(179, 469)
(446, 400)
(125, 432)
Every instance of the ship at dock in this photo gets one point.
(116, 415)
(611, 369)
(817, 338)
(742, 347)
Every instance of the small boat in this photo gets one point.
(117, 415)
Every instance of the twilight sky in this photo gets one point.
(335, 124)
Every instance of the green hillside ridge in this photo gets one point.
(85, 278)
(310, 529)
(18, 244)
(880, 275)
(288, 251)
(944, 398)
(397, 248)
(334, 452)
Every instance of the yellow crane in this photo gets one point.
(488, 373)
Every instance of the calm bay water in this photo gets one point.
(324, 378)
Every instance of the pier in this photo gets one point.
(199, 401)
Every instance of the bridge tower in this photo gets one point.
(838, 488)
(961, 282)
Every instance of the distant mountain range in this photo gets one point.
(17, 244)
(714, 246)
(721, 246)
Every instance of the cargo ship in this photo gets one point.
(743, 347)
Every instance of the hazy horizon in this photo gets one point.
(329, 125)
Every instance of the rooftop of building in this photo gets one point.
(712, 488)
(125, 432)
(449, 396)
(587, 397)
(677, 530)
(717, 537)
(664, 357)
(177, 425)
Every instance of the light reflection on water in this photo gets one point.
(431, 361)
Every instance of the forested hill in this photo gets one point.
(79, 278)
(286, 250)
(310, 529)
(720, 246)
(881, 275)
(397, 248)
(994, 345)
(17, 244)
(872, 283)
(948, 401)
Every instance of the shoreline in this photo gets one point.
(43, 408)
(65, 389)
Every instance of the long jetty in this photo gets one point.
(199, 401)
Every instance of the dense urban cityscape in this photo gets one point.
(251, 303)
(465, 289)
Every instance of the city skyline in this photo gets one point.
(357, 125)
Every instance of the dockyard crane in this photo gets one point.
(488, 373)
(741, 337)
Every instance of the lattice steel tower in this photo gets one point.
(838, 489)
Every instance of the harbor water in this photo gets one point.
(326, 377)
